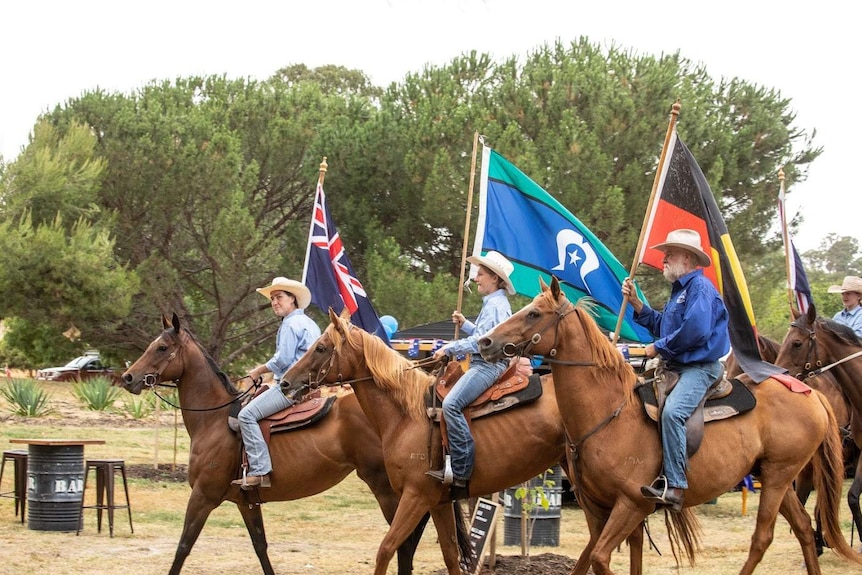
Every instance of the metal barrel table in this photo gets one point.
(55, 482)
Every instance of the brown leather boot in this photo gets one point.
(252, 481)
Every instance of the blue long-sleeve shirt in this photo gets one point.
(495, 309)
(693, 326)
(295, 335)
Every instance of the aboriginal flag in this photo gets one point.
(685, 201)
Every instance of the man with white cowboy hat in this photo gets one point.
(691, 336)
(493, 283)
(851, 294)
(297, 332)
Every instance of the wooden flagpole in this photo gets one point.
(467, 227)
(670, 128)
(785, 237)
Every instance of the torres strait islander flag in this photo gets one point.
(685, 200)
(329, 275)
(541, 238)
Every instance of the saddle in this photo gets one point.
(311, 409)
(724, 399)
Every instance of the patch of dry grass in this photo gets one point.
(335, 532)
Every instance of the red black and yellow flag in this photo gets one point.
(685, 200)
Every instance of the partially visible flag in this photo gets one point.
(413, 350)
(557, 243)
(797, 281)
(684, 200)
(329, 275)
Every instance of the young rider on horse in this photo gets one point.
(851, 296)
(493, 283)
(691, 337)
(295, 335)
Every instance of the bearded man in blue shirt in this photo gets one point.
(691, 336)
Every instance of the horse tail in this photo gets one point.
(462, 535)
(828, 467)
(684, 531)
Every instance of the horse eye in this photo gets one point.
(533, 314)
(163, 347)
(321, 348)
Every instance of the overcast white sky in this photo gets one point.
(55, 50)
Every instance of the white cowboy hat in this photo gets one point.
(850, 283)
(687, 240)
(498, 264)
(302, 293)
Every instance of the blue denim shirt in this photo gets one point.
(852, 319)
(495, 309)
(295, 335)
(693, 326)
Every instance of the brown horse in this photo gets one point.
(307, 461)
(615, 448)
(815, 348)
(824, 383)
(511, 447)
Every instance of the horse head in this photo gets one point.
(532, 330)
(158, 361)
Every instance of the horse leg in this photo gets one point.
(198, 509)
(622, 521)
(595, 526)
(853, 498)
(409, 513)
(772, 500)
(803, 488)
(800, 522)
(636, 550)
(252, 514)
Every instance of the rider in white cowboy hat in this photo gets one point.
(851, 296)
(493, 281)
(691, 336)
(295, 335)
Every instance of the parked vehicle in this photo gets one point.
(81, 368)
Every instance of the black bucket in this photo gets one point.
(55, 485)
(546, 530)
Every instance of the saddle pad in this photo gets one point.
(739, 401)
(530, 391)
(299, 415)
(791, 383)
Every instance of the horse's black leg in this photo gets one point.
(407, 550)
(198, 509)
(853, 500)
(253, 517)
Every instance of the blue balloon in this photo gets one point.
(390, 324)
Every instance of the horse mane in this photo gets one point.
(222, 376)
(608, 359)
(842, 332)
(391, 371)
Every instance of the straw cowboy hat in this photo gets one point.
(302, 293)
(687, 240)
(498, 264)
(850, 283)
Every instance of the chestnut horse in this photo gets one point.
(824, 383)
(306, 461)
(511, 447)
(816, 347)
(616, 449)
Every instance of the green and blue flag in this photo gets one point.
(541, 238)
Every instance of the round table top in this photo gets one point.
(58, 441)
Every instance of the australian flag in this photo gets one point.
(329, 275)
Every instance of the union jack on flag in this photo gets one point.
(329, 275)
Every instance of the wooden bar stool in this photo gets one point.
(19, 491)
(105, 470)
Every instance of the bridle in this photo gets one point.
(523, 348)
(153, 380)
(817, 365)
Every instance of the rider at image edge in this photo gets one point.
(493, 284)
(297, 332)
(691, 337)
(851, 295)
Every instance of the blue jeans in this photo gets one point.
(267, 403)
(472, 384)
(694, 381)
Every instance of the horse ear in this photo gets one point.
(542, 284)
(555, 287)
(175, 322)
(812, 313)
(166, 323)
(794, 313)
(333, 318)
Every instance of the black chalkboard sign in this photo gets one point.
(482, 528)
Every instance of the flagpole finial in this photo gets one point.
(676, 107)
(781, 173)
(323, 166)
